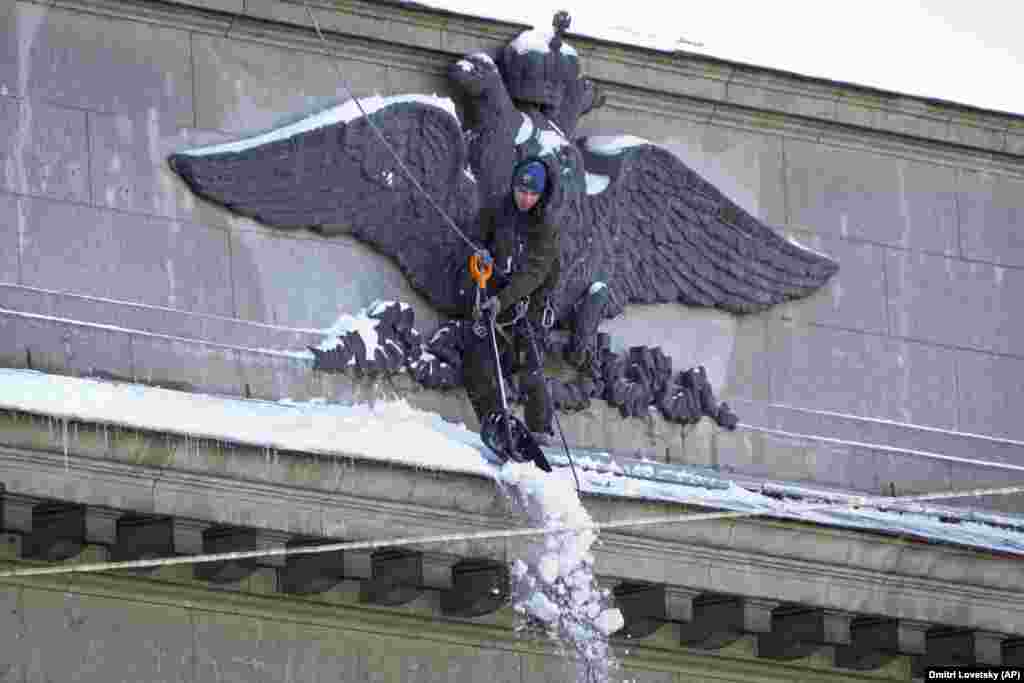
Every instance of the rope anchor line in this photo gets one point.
(380, 136)
(858, 501)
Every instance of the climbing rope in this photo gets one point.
(551, 404)
(380, 136)
(852, 502)
(742, 426)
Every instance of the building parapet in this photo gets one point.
(731, 93)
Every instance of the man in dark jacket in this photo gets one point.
(525, 247)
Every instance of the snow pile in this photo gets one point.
(484, 57)
(381, 340)
(365, 323)
(539, 40)
(608, 145)
(390, 431)
(553, 586)
(394, 431)
(596, 184)
(550, 142)
(361, 323)
(525, 130)
(342, 113)
(378, 340)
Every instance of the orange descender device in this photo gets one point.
(481, 265)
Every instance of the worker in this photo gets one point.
(524, 243)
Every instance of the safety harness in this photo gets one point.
(502, 432)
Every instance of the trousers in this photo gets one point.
(518, 357)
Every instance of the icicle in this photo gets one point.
(337, 474)
(64, 438)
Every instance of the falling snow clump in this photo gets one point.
(553, 587)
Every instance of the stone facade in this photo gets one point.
(916, 199)
(888, 380)
(803, 601)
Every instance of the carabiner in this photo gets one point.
(522, 307)
(547, 318)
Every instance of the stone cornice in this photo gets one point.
(792, 126)
(414, 624)
(681, 85)
(744, 571)
(824, 567)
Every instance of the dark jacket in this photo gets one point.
(526, 254)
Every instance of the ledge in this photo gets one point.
(309, 495)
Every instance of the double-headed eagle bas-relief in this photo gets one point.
(631, 214)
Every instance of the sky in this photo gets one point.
(966, 52)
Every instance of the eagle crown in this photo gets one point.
(539, 64)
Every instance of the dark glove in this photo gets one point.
(492, 304)
(485, 258)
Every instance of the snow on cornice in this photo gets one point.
(394, 431)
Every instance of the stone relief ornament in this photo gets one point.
(637, 224)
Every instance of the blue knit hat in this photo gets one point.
(530, 176)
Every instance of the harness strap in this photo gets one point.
(547, 320)
(522, 307)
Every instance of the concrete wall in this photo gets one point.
(920, 202)
(108, 265)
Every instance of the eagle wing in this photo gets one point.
(655, 231)
(330, 172)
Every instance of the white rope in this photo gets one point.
(742, 426)
(152, 335)
(930, 455)
(383, 140)
(883, 448)
(856, 501)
